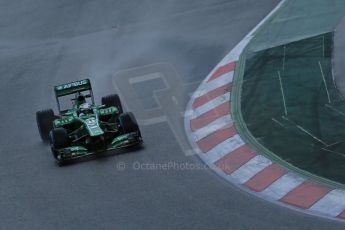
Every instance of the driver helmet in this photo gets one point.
(85, 108)
(80, 98)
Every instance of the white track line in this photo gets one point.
(147, 77)
(282, 186)
(212, 127)
(224, 148)
(211, 105)
(331, 204)
(250, 169)
(235, 54)
(214, 84)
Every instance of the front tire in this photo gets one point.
(58, 139)
(113, 100)
(128, 123)
(44, 119)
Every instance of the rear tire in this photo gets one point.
(128, 123)
(113, 100)
(44, 119)
(58, 139)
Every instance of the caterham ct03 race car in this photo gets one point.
(86, 128)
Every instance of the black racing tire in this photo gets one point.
(59, 138)
(128, 123)
(113, 100)
(44, 119)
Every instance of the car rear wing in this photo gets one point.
(72, 88)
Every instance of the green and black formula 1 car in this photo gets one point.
(86, 129)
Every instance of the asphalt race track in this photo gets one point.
(165, 47)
